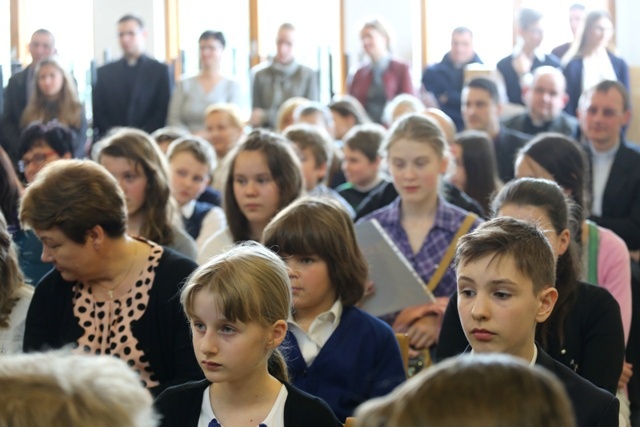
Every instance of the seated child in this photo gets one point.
(334, 350)
(237, 305)
(313, 146)
(482, 390)
(361, 164)
(190, 159)
(505, 273)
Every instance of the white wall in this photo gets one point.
(627, 12)
(105, 19)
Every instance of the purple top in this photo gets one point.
(446, 223)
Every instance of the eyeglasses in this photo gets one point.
(37, 159)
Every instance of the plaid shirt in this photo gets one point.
(447, 221)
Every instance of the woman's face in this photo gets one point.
(459, 178)
(600, 33)
(73, 260)
(50, 81)
(374, 42)
(222, 134)
(131, 179)
(34, 160)
(210, 52)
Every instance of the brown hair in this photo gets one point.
(367, 139)
(199, 148)
(59, 389)
(289, 233)
(313, 137)
(251, 284)
(235, 116)
(54, 199)
(157, 209)
(285, 170)
(505, 237)
(68, 109)
(483, 390)
(11, 278)
(284, 115)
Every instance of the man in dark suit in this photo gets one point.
(133, 91)
(505, 273)
(615, 167)
(481, 109)
(545, 101)
(444, 80)
(19, 89)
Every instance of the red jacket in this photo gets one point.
(396, 80)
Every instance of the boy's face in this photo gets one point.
(189, 177)
(311, 172)
(498, 308)
(358, 169)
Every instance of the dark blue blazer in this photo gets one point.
(512, 80)
(148, 98)
(15, 101)
(361, 360)
(573, 74)
(444, 80)
(621, 198)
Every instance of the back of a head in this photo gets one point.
(491, 390)
(57, 389)
(349, 106)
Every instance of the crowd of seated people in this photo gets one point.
(214, 250)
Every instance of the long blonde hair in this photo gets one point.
(67, 108)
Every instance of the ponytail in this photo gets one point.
(278, 367)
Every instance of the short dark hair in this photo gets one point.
(132, 17)
(486, 84)
(304, 136)
(289, 233)
(54, 134)
(606, 85)
(349, 106)
(215, 35)
(505, 237)
(528, 17)
(367, 139)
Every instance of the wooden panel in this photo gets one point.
(633, 132)
(19, 39)
(253, 33)
(172, 31)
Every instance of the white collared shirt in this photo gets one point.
(601, 163)
(214, 221)
(310, 343)
(533, 360)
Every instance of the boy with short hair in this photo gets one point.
(505, 276)
(313, 146)
(361, 163)
(190, 162)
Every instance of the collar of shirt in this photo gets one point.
(603, 156)
(310, 343)
(533, 360)
(443, 219)
(537, 53)
(188, 208)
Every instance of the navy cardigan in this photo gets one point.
(361, 360)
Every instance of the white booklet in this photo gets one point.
(397, 284)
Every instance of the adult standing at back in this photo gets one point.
(19, 89)
(445, 79)
(280, 79)
(383, 77)
(576, 15)
(133, 91)
(591, 59)
(517, 68)
(193, 95)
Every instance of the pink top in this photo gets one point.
(614, 273)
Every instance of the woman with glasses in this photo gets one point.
(40, 144)
(591, 58)
(193, 95)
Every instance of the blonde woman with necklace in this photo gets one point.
(110, 293)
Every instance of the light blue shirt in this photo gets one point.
(601, 162)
